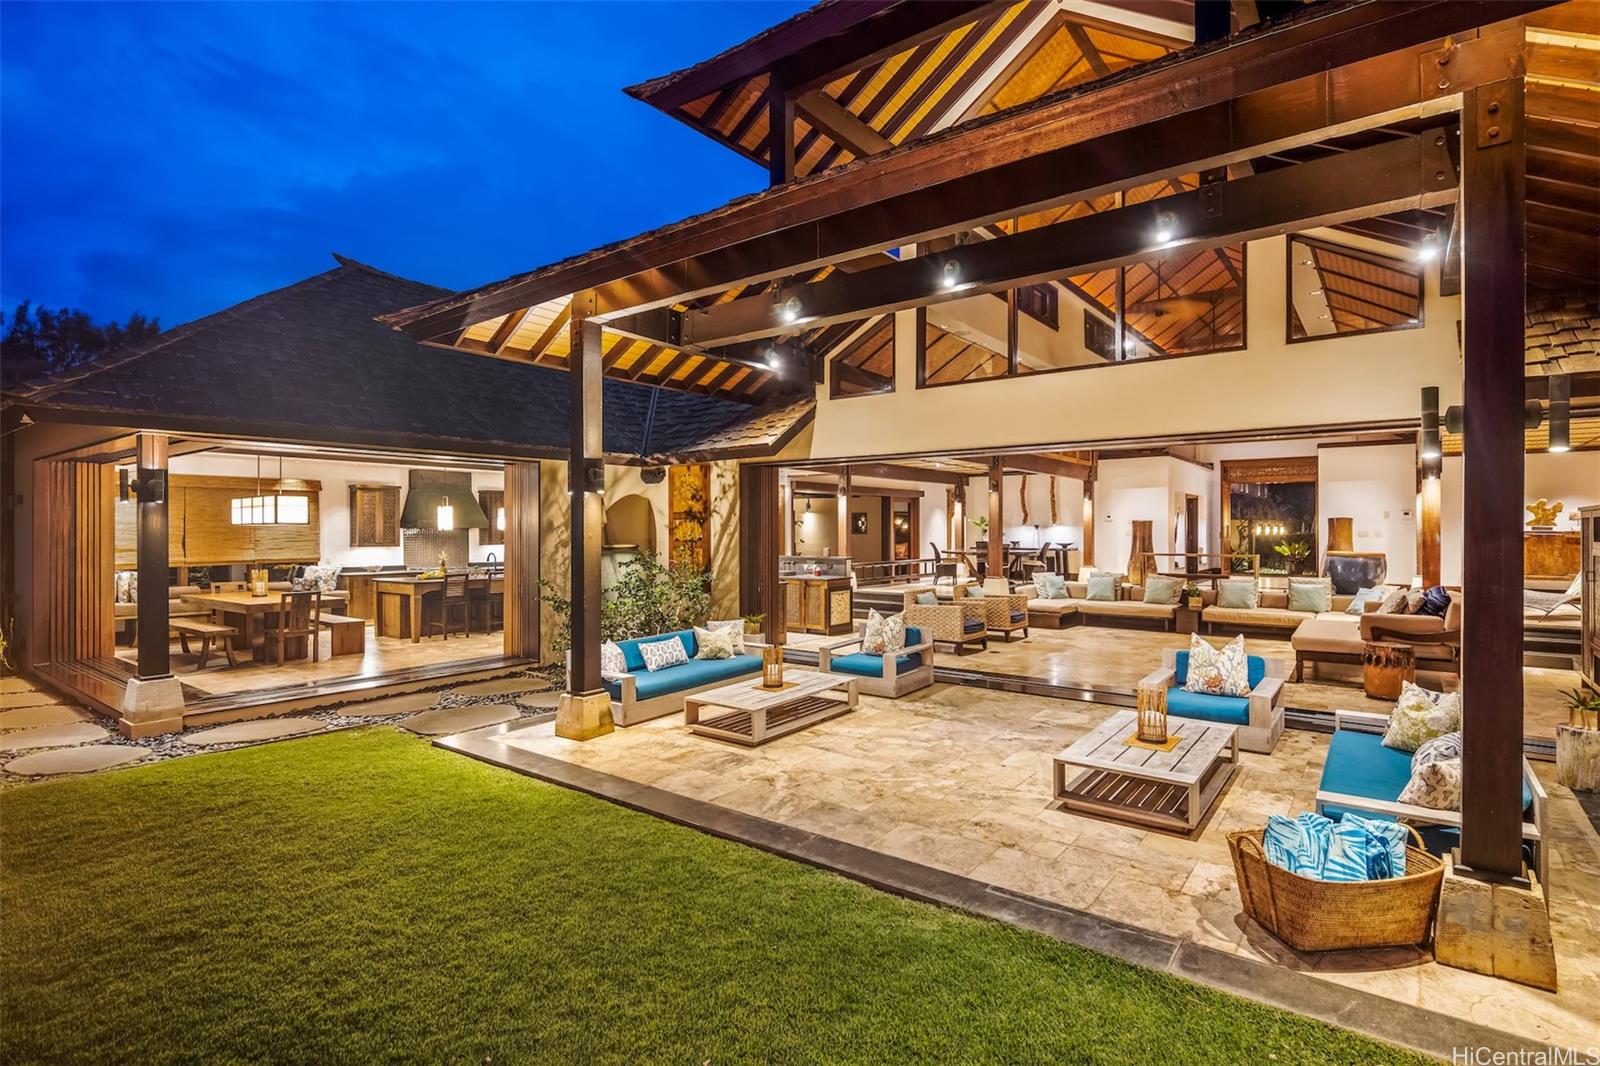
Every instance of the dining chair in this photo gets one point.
(451, 603)
(299, 614)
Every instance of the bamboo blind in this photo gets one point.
(200, 527)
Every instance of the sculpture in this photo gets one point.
(1544, 512)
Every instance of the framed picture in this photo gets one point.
(858, 521)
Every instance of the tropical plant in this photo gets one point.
(5, 651)
(1295, 551)
(648, 598)
(1583, 708)
(38, 340)
(981, 522)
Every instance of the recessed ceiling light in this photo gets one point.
(1316, 292)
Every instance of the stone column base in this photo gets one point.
(150, 707)
(583, 715)
(1497, 927)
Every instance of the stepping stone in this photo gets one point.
(501, 686)
(540, 701)
(55, 714)
(33, 698)
(245, 732)
(406, 704)
(84, 760)
(458, 719)
(14, 684)
(52, 736)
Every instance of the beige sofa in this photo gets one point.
(1076, 608)
(1271, 613)
(1341, 638)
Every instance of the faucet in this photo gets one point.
(491, 558)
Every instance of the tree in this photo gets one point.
(38, 340)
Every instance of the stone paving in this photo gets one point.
(959, 779)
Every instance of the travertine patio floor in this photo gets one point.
(959, 779)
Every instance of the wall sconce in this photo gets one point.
(1430, 447)
(1560, 413)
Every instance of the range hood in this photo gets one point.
(421, 510)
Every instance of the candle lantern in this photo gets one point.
(258, 582)
(1152, 710)
(772, 666)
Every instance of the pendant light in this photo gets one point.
(445, 516)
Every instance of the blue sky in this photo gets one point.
(177, 158)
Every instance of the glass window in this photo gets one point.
(965, 340)
(1336, 290)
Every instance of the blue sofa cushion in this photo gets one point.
(1255, 669)
(635, 661)
(863, 665)
(972, 625)
(692, 674)
(913, 636)
(1229, 710)
(1019, 616)
(1359, 765)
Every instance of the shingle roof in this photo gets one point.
(1563, 332)
(311, 362)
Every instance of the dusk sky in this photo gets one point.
(177, 158)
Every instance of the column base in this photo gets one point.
(583, 715)
(150, 707)
(1495, 926)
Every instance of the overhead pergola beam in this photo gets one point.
(1049, 464)
(826, 114)
(896, 472)
(1410, 172)
(901, 27)
(1290, 84)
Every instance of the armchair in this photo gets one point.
(881, 675)
(961, 622)
(1006, 612)
(1258, 716)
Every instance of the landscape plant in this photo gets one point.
(648, 598)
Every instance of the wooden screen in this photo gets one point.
(374, 516)
(522, 560)
(74, 549)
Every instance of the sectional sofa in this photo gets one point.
(640, 694)
(1076, 608)
(1340, 638)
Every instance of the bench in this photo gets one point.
(207, 632)
(346, 635)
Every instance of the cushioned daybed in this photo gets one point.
(640, 695)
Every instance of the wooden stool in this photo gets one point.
(1386, 667)
(346, 635)
(206, 631)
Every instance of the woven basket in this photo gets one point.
(1311, 915)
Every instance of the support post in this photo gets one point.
(585, 709)
(152, 703)
(1088, 522)
(780, 136)
(521, 584)
(996, 561)
(1494, 268)
(842, 534)
(760, 543)
(1428, 522)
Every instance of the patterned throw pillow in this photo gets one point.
(1102, 587)
(713, 643)
(1315, 595)
(612, 664)
(1444, 746)
(885, 634)
(663, 654)
(124, 589)
(1421, 715)
(1218, 672)
(1395, 602)
(1162, 590)
(1435, 602)
(1436, 784)
(1238, 593)
(1052, 586)
(734, 627)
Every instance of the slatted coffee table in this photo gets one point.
(748, 714)
(1101, 774)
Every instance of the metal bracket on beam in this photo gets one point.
(1499, 118)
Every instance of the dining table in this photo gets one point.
(399, 603)
(247, 613)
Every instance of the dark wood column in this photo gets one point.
(1088, 522)
(842, 535)
(997, 518)
(586, 483)
(522, 560)
(1428, 522)
(780, 138)
(1494, 266)
(760, 543)
(151, 486)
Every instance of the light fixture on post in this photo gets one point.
(1166, 227)
(1429, 447)
(1560, 413)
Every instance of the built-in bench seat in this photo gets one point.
(1271, 613)
(640, 694)
(207, 631)
(346, 635)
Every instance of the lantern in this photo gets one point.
(772, 666)
(1152, 715)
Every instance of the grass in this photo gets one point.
(362, 896)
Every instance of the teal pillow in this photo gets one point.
(1162, 590)
(1358, 603)
(1102, 587)
(1315, 596)
(1052, 586)
(928, 598)
(1238, 593)
(975, 592)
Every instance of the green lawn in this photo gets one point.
(361, 896)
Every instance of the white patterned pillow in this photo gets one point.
(612, 663)
(1436, 784)
(713, 643)
(1421, 715)
(1444, 746)
(884, 635)
(663, 654)
(734, 627)
(1221, 671)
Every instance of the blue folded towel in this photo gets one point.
(1354, 849)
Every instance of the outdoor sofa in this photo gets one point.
(640, 694)
(881, 675)
(1258, 716)
(1271, 615)
(1076, 608)
(1340, 638)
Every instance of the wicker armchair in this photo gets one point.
(961, 622)
(1006, 612)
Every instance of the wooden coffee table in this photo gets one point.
(751, 714)
(1100, 774)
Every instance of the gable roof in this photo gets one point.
(310, 362)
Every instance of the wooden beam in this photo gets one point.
(522, 560)
(1091, 54)
(504, 331)
(1415, 171)
(897, 472)
(842, 544)
(1429, 499)
(1494, 262)
(154, 638)
(1048, 464)
(551, 332)
(760, 544)
(1333, 71)
(901, 27)
(587, 458)
(780, 134)
(825, 114)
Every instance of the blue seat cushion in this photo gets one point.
(863, 665)
(1359, 765)
(1229, 710)
(1019, 616)
(635, 661)
(1255, 669)
(649, 684)
(972, 625)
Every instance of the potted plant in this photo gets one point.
(981, 524)
(1578, 742)
(753, 623)
(1192, 597)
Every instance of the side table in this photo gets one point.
(1385, 668)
